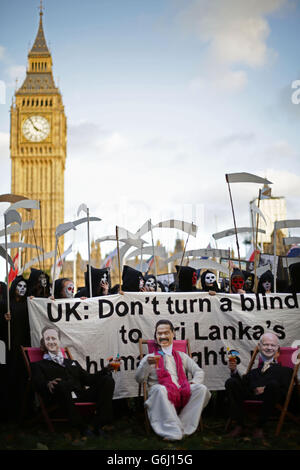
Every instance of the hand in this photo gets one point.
(151, 360)
(114, 363)
(105, 287)
(52, 384)
(212, 292)
(259, 390)
(7, 316)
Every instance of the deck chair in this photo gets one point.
(50, 414)
(179, 345)
(288, 357)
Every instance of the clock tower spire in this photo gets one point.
(38, 148)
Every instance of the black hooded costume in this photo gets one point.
(187, 279)
(19, 324)
(295, 277)
(58, 287)
(249, 281)
(97, 275)
(19, 336)
(132, 279)
(265, 277)
(237, 276)
(38, 283)
(150, 280)
(205, 286)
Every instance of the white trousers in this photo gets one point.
(163, 416)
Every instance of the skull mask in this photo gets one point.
(151, 283)
(237, 283)
(43, 280)
(210, 278)
(21, 288)
(104, 278)
(267, 286)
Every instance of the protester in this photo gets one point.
(268, 383)
(186, 279)
(64, 288)
(38, 284)
(63, 381)
(132, 280)
(17, 334)
(249, 282)
(101, 283)
(174, 404)
(295, 277)
(266, 283)
(237, 282)
(151, 283)
(209, 282)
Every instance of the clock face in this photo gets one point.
(36, 128)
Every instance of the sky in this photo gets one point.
(163, 98)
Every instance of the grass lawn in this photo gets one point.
(129, 434)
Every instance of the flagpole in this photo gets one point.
(234, 221)
(42, 235)
(54, 267)
(155, 265)
(141, 263)
(119, 262)
(182, 258)
(274, 259)
(229, 271)
(89, 252)
(256, 238)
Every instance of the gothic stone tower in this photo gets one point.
(38, 138)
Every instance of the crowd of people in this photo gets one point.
(174, 404)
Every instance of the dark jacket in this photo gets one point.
(70, 372)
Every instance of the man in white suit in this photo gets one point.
(174, 404)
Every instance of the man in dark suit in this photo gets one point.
(64, 381)
(268, 383)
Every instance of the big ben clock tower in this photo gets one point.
(38, 147)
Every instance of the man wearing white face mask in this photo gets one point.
(64, 289)
(209, 282)
(266, 283)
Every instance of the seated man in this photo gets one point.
(174, 405)
(269, 383)
(64, 381)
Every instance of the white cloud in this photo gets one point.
(235, 33)
(5, 163)
(4, 146)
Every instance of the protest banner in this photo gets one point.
(99, 327)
